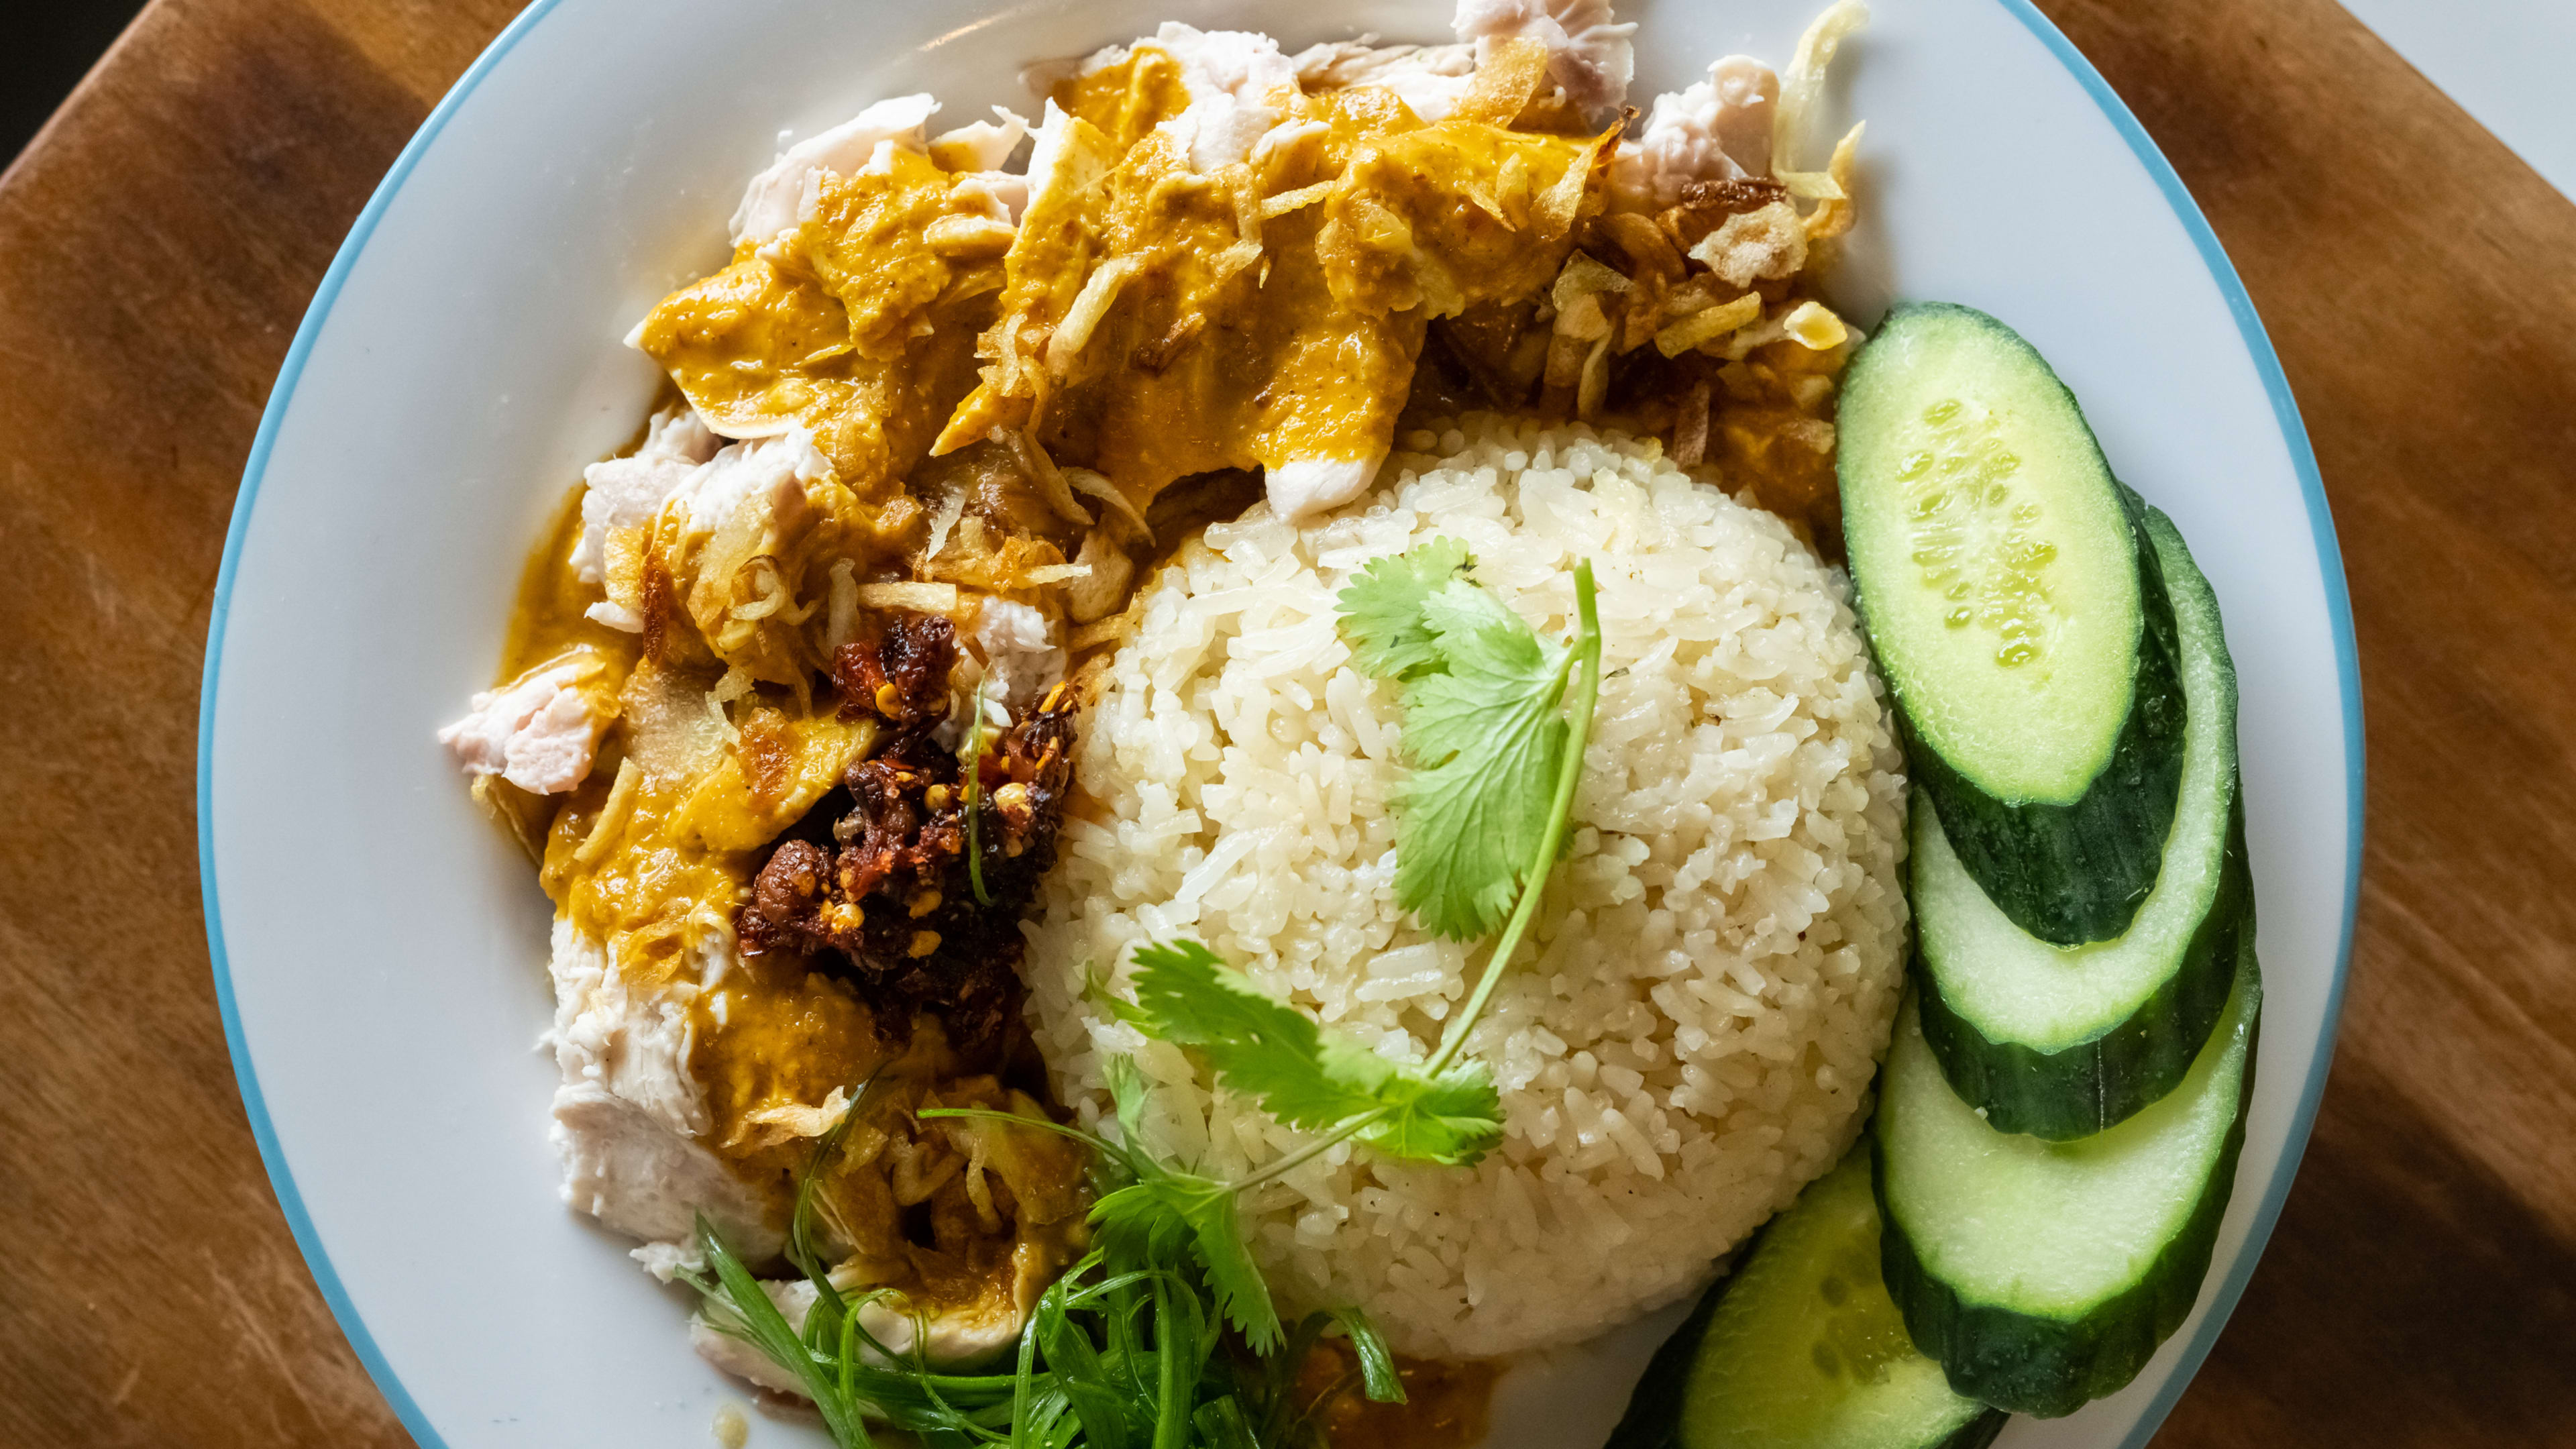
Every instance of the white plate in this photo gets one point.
(378, 949)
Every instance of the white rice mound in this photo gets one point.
(1692, 1036)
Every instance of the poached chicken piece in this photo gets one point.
(702, 1054)
(629, 1119)
(1718, 129)
(856, 320)
(626, 492)
(1165, 316)
(1589, 56)
(538, 732)
(924, 415)
(788, 191)
(1238, 85)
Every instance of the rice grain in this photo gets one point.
(1689, 1035)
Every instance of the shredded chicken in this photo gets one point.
(781, 196)
(626, 492)
(1718, 129)
(1588, 54)
(1429, 79)
(940, 407)
(539, 732)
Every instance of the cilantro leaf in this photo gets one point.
(1487, 742)
(1381, 608)
(1453, 1118)
(1377, 1362)
(1481, 729)
(1161, 1215)
(1127, 1090)
(1308, 1078)
(1166, 1213)
(1261, 1048)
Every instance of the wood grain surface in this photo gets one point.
(160, 240)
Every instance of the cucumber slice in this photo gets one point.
(2042, 1275)
(2063, 1042)
(1801, 1348)
(2016, 611)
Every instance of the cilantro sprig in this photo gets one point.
(1123, 1348)
(1496, 719)
(1485, 731)
(1307, 1078)
(1124, 1351)
(1567, 769)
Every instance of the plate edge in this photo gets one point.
(2204, 239)
(281, 1179)
(2303, 461)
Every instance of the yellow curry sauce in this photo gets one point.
(859, 325)
(987, 400)
(654, 853)
(1161, 321)
(651, 854)
(1446, 1405)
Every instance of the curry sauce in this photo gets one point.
(926, 408)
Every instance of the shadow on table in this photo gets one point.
(50, 47)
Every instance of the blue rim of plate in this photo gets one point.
(2258, 344)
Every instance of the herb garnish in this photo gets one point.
(1307, 1078)
(1481, 821)
(1483, 730)
(1164, 1213)
(1122, 1351)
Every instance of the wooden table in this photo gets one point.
(159, 242)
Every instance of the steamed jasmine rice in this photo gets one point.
(1690, 1035)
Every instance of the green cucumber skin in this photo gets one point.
(2049, 1367)
(2096, 1085)
(1654, 1416)
(2074, 873)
